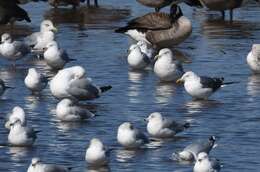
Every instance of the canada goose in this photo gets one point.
(157, 4)
(162, 30)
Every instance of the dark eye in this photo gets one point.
(131, 127)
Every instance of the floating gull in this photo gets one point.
(3, 87)
(20, 135)
(204, 164)
(68, 111)
(201, 87)
(166, 68)
(96, 154)
(147, 49)
(35, 81)
(253, 58)
(161, 127)
(191, 152)
(55, 58)
(137, 59)
(72, 83)
(18, 113)
(12, 50)
(37, 166)
(130, 137)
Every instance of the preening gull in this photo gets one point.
(55, 58)
(72, 83)
(161, 127)
(166, 67)
(97, 154)
(147, 49)
(130, 137)
(204, 164)
(136, 58)
(201, 87)
(37, 166)
(18, 113)
(35, 81)
(3, 87)
(191, 152)
(253, 58)
(68, 111)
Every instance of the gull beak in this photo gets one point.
(179, 81)
(128, 51)
(145, 119)
(157, 57)
(54, 29)
(45, 49)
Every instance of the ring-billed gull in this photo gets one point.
(21, 135)
(3, 87)
(12, 50)
(35, 81)
(147, 49)
(17, 112)
(130, 137)
(166, 68)
(161, 127)
(72, 83)
(37, 166)
(204, 164)
(253, 58)
(136, 58)
(55, 58)
(97, 154)
(191, 152)
(67, 110)
(39, 40)
(201, 87)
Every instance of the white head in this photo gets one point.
(52, 44)
(256, 49)
(18, 110)
(65, 103)
(154, 116)
(126, 126)
(134, 47)
(47, 26)
(15, 122)
(164, 53)
(6, 38)
(78, 72)
(202, 156)
(32, 72)
(187, 76)
(96, 143)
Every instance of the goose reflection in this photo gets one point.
(164, 92)
(198, 106)
(253, 85)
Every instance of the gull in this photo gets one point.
(253, 58)
(39, 40)
(136, 58)
(18, 113)
(147, 49)
(20, 135)
(67, 110)
(12, 50)
(201, 87)
(130, 137)
(96, 154)
(72, 83)
(191, 152)
(35, 81)
(161, 127)
(55, 58)
(204, 164)
(37, 166)
(166, 67)
(3, 87)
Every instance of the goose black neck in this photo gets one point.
(175, 13)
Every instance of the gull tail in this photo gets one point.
(105, 88)
(229, 83)
(186, 125)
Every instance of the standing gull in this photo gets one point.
(253, 58)
(18, 113)
(3, 87)
(130, 137)
(35, 81)
(201, 87)
(96, 154)
(55, 58)
(166, 67)
(37, 166)
(161, 127)
(204, 164)
(68, 111)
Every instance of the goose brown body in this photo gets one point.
(157, 4)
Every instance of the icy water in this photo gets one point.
(216, 48)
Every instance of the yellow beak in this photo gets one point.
(179, 81)
(157, 57)
(55, 29)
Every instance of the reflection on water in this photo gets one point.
(253, 85)
(18, 153)
(123, 155)
(197, 106)
(98, 169)
(164, 92)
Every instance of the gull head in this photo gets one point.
(35, 161)
(96, 143)
(187, 76)
(6, 38)
(154, 116)
(65, 103)
(202, 156)
(164, 53)
(15, 121)
(18, 110)
(47, 26)
(256, 50)
(78, 72)
(32, 72)
(52, 44)
(126, 126)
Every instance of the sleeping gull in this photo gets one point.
(130, 137)
(253, 58)
(35, 81)
(55, 58)
(96, 154)
(147, 49)
(21, 135)
(39, 40)
(37, 166)
(67, 110)
(136, 58)
(18, 113)
(166, 67)
(191, 152)
(201, 87)
(161, 127)
(204, 164)
(12, 50)
(72, 83)
(3, 87)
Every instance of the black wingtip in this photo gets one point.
(186, 125)
(212, 138)
(121, 30)
(105, 88)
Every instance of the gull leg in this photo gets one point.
(88, 3)
(231, 15)
(223, 15)
(96, 3)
